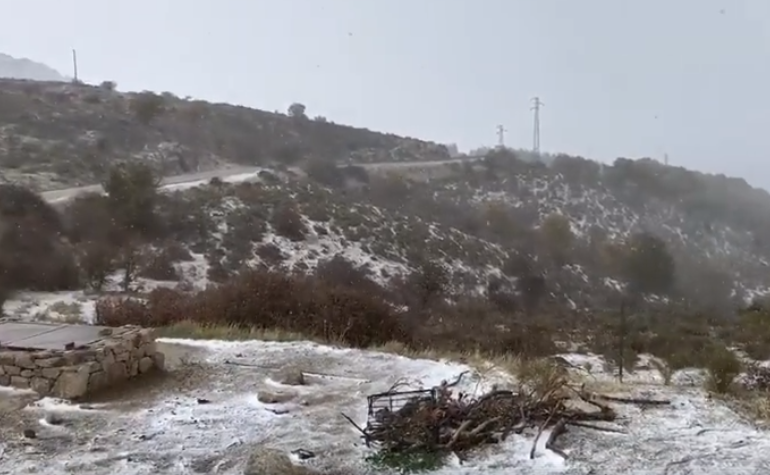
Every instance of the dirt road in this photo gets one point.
(55, 196)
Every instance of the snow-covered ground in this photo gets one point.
(167, 428)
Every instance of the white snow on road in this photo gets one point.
(173, 433)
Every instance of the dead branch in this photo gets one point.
(440, 419)
(557, 430)
(539, 433)
(595, 427)
(641, 402)
(358, 428)
(454, 383)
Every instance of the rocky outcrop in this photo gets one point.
(124, 353)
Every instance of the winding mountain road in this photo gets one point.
(57, 196)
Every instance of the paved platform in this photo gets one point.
(46, 336)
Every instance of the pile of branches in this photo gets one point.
(457, 422)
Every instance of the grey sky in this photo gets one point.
(619, 78)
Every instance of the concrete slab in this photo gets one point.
(13, 331)
(40, 336)
(58, 338)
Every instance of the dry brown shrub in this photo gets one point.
(287, 222)
(270, 254)
(475, 324)
(264, 299)
(159, 265)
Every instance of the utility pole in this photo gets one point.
(75, 65)
(665, 158)
(622, 330)
(536, 104)
(501, 136)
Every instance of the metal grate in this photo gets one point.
(384, 404)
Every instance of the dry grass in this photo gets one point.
(754, 405)
(196, 331)
(538, 373)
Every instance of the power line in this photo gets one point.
(536, 104)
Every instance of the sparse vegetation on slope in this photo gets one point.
(56, 135)
(500, 256)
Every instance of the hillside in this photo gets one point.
(23, 68)
(57, 135)
(566, 227)
(553, 276)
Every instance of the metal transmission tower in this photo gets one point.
(536, 104)
(501, 136)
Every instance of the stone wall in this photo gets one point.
(123, 353)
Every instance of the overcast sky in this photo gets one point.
(618, 78)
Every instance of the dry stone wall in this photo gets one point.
(123, 353)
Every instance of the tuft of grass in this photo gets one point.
(195, 331)
(665, 370)
(407, 462)
(723, 367)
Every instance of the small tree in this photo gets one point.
(96, 261)
(297, 111)
(557, 236)
(132, 193)
(429, 281)
(648, 266)
(146, 106)
(723, 367)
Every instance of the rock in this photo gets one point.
(116, 371)
(54, 419)
(7, 358)
(12, 370)
(97, 380)
(291, 376)
(160, 360)
(269, 397)
(303, 454)
(51, 373)
(265, 461)
(30, 434)
(24, 360)
(201, 400)
(53, 362)
(41, 386)
(19, 382)
(579, 405)
(72, 384)
(146, 364)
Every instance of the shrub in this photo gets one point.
(32, 255)
(723, 367)
(146, 106)
(159, 265)
(325, 172)
(288, 223)
(270, 254)
(340, 271)
(96, 260)
(648, 265)
(264, 299)
(132, 198)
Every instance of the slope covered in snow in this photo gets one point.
(209, 416)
